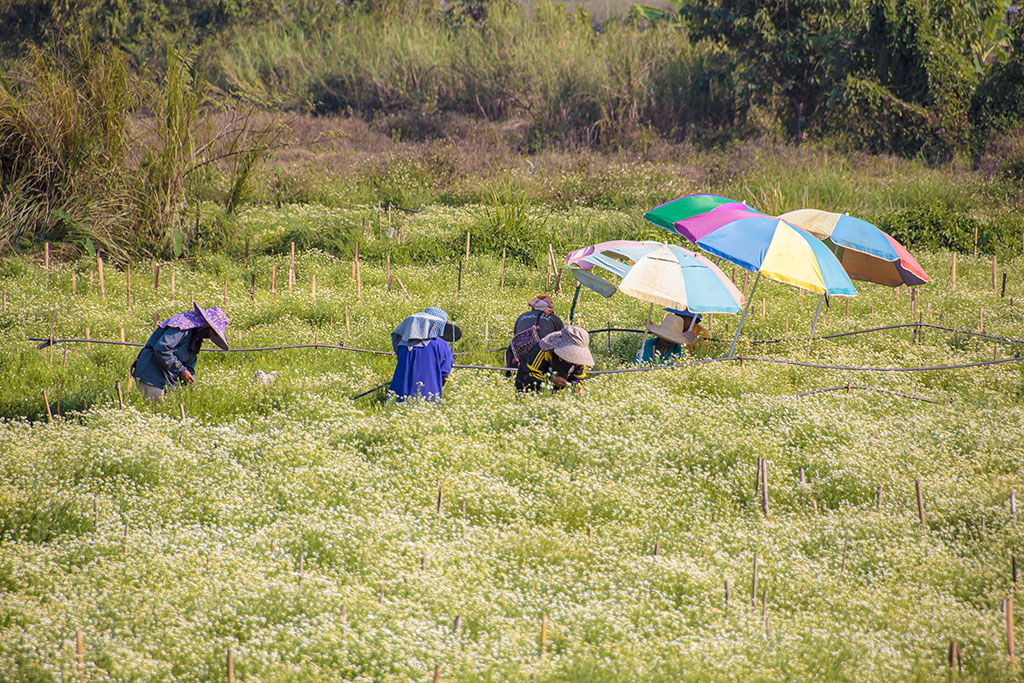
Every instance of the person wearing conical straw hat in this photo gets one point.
(561, 357)
(169, 356)
(677, 330)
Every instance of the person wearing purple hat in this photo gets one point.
(169, 356)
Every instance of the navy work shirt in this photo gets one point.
(422, 370)
(167, 354)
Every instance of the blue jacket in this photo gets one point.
(422, 370)
(167, 354)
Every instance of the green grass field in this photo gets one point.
(304, 532)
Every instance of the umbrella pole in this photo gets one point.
(744, 317)
(575, 299)
(643, 341)
(815, 323)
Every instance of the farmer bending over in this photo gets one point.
(169, 357)
(424, 357)
(562, 356)
(530, 328)
(676, 332)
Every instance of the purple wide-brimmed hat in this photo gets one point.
(212, 317)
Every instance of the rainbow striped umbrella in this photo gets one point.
(866, 252)
(668, 214)
(767, 246)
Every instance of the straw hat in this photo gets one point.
(571, 343)
(673, 329)
(218, 323)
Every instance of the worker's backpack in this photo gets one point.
(524, 342)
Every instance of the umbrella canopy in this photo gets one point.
(866, 252)
(768, 246)
(668, 214)
(664, 275)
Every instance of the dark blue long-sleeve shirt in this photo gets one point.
(167, 354)
(422, 370)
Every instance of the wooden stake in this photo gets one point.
(312, 285)
(920, 501)
(457, 627)
(181, 406)
(543, 632)
(975, 240)
(291, 268)
(348, 329)
(1013, 506)
(753, 584)
(547, 275)
(46, 400)
(437, 673)
(440, 497)
(1002, 290)
(359, 276)
(246, 251)
(156, 277)
(99, 275)
(757, 479)
(46, 258)
(503, 250)
(80, 654)
(657, 547)
(1009, 630)
(380, 595)
(952, 272)
(590, 531)
(120, 396)
(467, 248)
(764, 487)
(993, 273)
(172, 285)
(252, 288)
(273, 280)
(231, 654)
(487, 331)
(128, 286)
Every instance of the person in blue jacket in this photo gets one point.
(169, 356)
(424, 357)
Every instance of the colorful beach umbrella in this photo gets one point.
(866, 252)
(668, 214)
(767, 246)
(660, 274)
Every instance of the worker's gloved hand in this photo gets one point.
(187, 377)
(559, 382)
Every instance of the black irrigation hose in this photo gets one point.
(862, 387)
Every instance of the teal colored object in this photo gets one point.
(667, 214)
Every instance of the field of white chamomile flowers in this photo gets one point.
(606, 536)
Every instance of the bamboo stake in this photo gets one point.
(764, 487)
(181, 406)
(99, 274)
(467, 248)
(46, 259)
(225, 296)
(312, 285)
(440, 497)
(437, 673)
(1013, 506)
(231, 654)
(246, 251)
(975, 240)
(172, 285)
(487, 331)
(120, 396)
(457, 627)
(291, 269)
(252, 288)
(920, 501)
(46, 400)
(273, 280)
(547, 275)
(1009, 630)
(503, 251)
(757, 479)
(952, 272)
(657, 547)
(753, 584)
(543, 632)
(80, 654)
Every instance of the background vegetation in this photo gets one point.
(117, 120)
